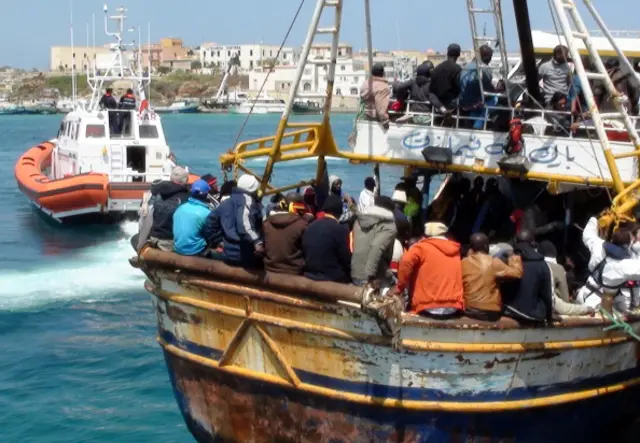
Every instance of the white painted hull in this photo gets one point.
(550, 155)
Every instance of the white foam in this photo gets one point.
(95, 273)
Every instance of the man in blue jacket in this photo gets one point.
(189, 220)
(237, 224)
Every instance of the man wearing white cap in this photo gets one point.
(237, 224)
(432, 271)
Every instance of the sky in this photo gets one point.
(30, 27)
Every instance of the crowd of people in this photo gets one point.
(449, 88)
(470, 253)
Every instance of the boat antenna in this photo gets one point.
(149, 58)
(73, 58)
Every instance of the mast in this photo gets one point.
(73, 59)
(523, 25)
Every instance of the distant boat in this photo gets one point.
(11, 109)
(259, 105)
(185, 106)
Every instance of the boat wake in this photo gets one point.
(96, 273)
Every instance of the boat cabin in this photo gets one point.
(127, 145)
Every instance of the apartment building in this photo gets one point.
(250, 56)
(62, 57)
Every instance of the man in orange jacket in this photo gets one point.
(432, 272)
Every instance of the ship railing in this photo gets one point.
(538, 119)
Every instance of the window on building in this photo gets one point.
(250, 64)
(355, 79)
(94, 131)
(251, 52)
(343, 68)
(270, 53)
(211, 53)
(218, 53)
(284, 56)
(263, 52)
(340, 52)
(148, 131)
(338, 91)
(306, 87)
(354, 91)
(228, 53)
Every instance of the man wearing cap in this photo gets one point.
(555, 74)
(189, 220)
(445, 80)
(375, 94)
(158, 206)
(237, 224)
(432, 272)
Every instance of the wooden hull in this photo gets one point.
(252, 363)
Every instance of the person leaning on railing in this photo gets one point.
(375, 94)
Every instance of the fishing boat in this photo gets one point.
(259, 105)
(261, 357)
(183, 106)
(102, 160)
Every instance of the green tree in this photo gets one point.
(196, 65)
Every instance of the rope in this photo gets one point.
(286, 36)
(619, 323)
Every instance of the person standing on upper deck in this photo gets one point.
(445, 80)
(107, 101)
(418, 91)
(376, 95)
(128, 101)
(472, 100)
(555, 74)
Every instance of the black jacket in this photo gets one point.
(127, 102)
(445, 83)
(417, 90)
(108, 102)
(530, 298)
(167, 196)
(325, 244)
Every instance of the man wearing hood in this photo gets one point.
(529, 299)
(375, 94)
(417, 90)
(237, 224)
(431, 269)
(612, 265)
(349, 207)
(283, 231)
(373, 235)
(158, 207)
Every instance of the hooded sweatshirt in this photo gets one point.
(375, 94)
(531, 297)
(417, 90)
(431, 269)
(373, 236)
(283, 243)
(169, 196)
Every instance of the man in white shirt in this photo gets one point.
(368, 194)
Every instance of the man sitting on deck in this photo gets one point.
(374, 233)
(530, 298)
(481, 275)
(283, 231)
(432, 272)
(326, 245)
(189, 220)
(237, 224)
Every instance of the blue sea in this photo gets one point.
(78, 357)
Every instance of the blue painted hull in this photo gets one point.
(276, 413)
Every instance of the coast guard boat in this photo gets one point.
(102, 160)
(261, 357)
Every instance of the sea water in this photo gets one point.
(78, 357)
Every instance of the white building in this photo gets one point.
(251, 56)
(349, 76)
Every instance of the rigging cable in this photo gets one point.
(286, 36)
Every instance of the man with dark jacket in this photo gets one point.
(127, 101)
(373, 235)
(325, 244)
(237, 224)
(529, 299)
(445, 80)
(107, 101)
(417, 90)
(283, 231)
